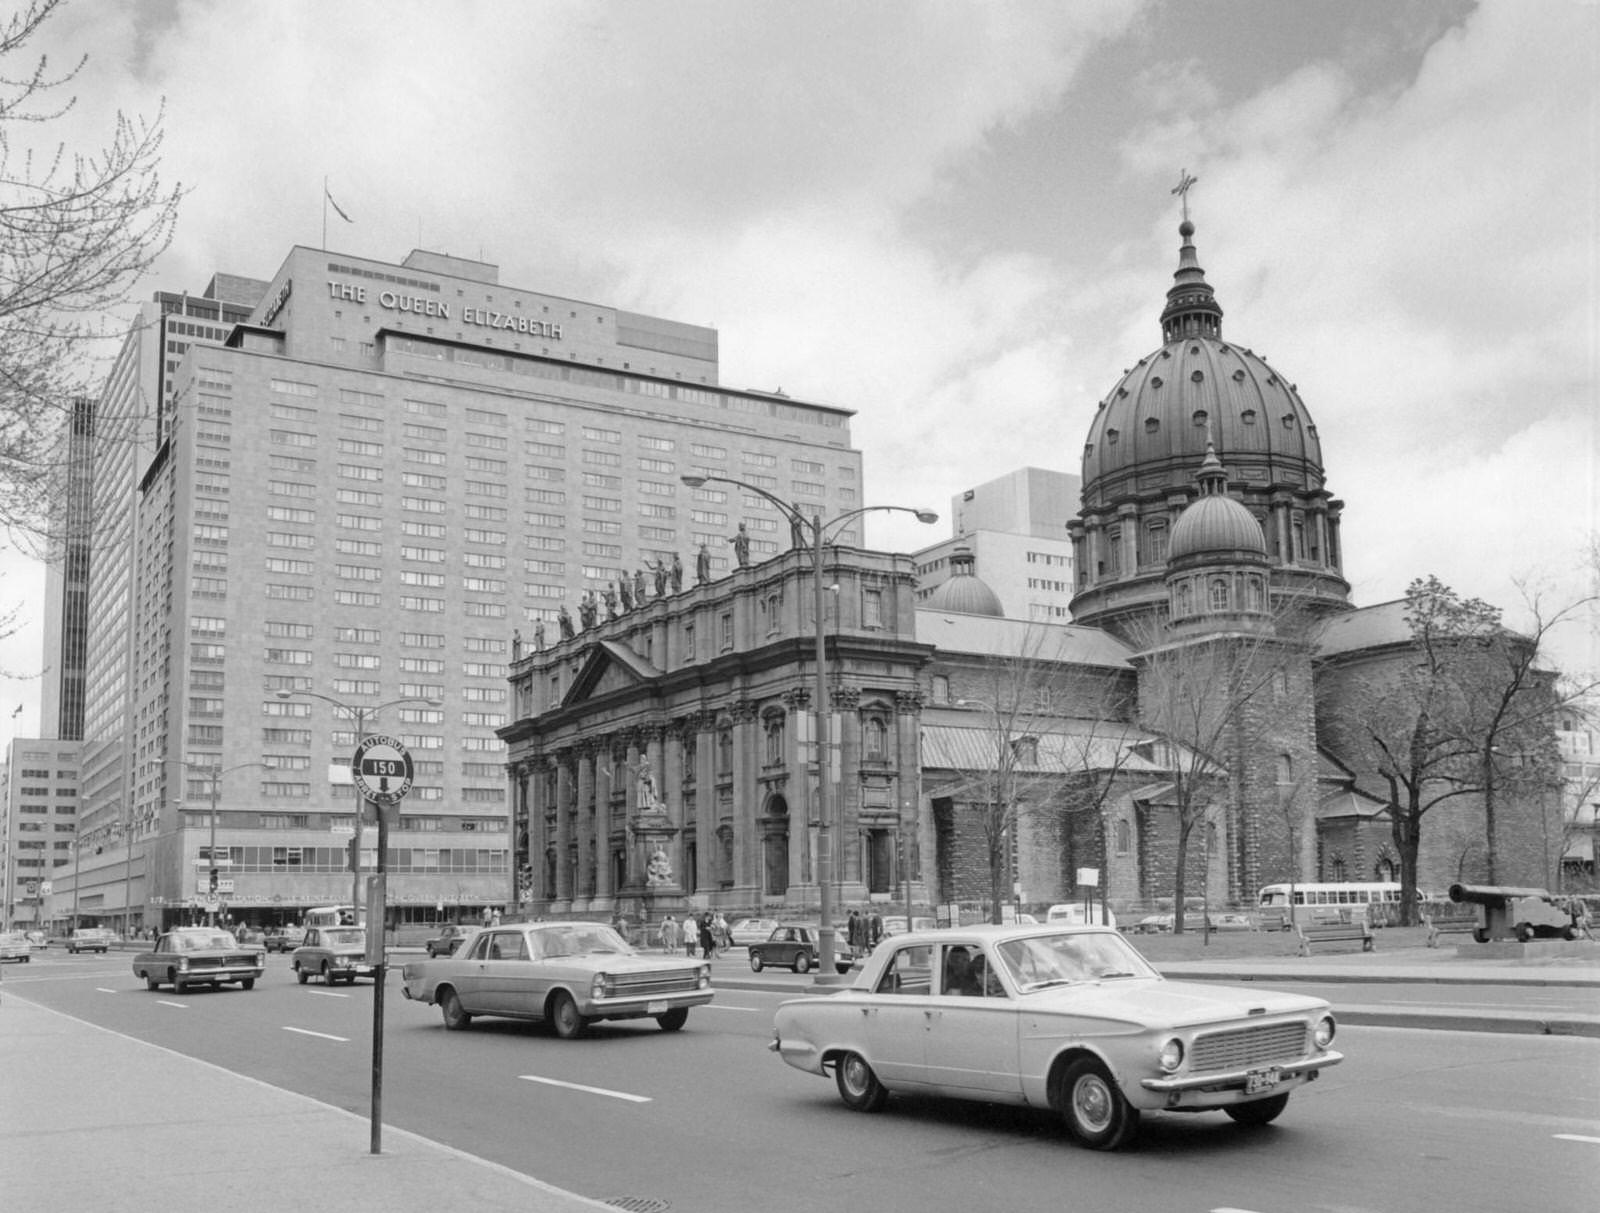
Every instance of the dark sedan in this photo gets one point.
(199, 956)
(793, 945)
(447, 940)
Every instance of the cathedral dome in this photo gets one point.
(1152, 428)
(965, 592)
(1142, 515)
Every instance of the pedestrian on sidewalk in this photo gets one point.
(669, 934)
(691, 935)
(708, 945)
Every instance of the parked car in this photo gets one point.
(566, 974)
(1075, 913)
(447, 940)
(283, 939)
(1068, 1018)
(747, 931)
(14, 946)
(199, 956)
(333, 954)
(794, 945)
(89, 939)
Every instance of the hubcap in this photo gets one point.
(1093, 1103)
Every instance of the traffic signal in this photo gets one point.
(354, 853)
(213, 880)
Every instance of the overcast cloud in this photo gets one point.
(955, 218)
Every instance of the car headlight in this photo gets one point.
(1322, 1034)
(704, 981)
(602, 986)
(1171, 1056)
(183, 964)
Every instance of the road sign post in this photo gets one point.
(382, 770)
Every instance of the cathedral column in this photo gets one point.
(585, 823)
(566, 833)
(746, 792)
(604, 774)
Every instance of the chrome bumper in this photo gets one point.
(1233, 1078)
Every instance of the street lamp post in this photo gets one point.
(215, 774)
(817, 531)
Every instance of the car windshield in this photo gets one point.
(345, 936)
(200, 941)
(578, 939)
(1039, 961)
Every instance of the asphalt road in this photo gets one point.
(708, 1120)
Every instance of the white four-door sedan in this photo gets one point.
(747, 931)
(1068, 1018)
(567, 974)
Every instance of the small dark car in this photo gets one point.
(283, 939)
(794, 945)
(447, 940)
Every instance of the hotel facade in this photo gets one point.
(345, 517)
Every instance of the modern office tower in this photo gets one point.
(38, 811)
(345, 518)
(67, 569)
(1013, 529)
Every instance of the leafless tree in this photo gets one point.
(77, 231)
(1054, 732)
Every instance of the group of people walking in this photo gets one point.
(707, 931)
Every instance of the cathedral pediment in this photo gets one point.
(609, 668)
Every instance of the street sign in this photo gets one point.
(381, 768)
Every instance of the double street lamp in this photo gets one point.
(817, 532)
(215, 774)
(360, 713)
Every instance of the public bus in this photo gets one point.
(1319, 901)
(331, 916)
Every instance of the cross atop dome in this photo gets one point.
(1192, 309)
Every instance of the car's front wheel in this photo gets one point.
(802, 963)
(859, 1087)
(248, 983)
(177, 983)
(565, 1019)
(1258, 1111)
(756, 963)
(673, 1019)
(301, 975)
(455, 1018)
(1096, 1113)
(152, 982)
(327, 974)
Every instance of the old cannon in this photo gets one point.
(1517, 913)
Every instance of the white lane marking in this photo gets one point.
(167, 1002)
(712, 1006)
(1231, 1209)
(1593, 1141)
(344, 1040)
(327, 994)
(574, 1086)
(106, 990)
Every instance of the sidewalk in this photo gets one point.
(91, 1119)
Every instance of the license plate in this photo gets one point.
(655, 1008)
(1257, 1081)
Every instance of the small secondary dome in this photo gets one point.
(965, 593)
(1214, 525)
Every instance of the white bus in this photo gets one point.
(1319, 901)
(331, 916)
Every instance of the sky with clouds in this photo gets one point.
(955, 217)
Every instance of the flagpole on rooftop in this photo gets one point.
(324, 213)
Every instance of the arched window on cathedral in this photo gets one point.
(1124, 837)
(725, 750)
(1113, 551)
(1253, 593)
(1154, 548)
(1185, 605)
(1337, 870)
(1218, 594)
(874, 739)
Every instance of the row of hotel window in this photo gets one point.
(398, 859)
(291, 790)
(212, 380)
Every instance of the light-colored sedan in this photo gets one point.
(14, 946)
(333, 954)
(1068, 1018)
(566, 974)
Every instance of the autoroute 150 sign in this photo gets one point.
(382, 769)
